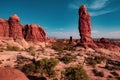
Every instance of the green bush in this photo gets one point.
(67, 59)
(32, 53)
(46, 66)
(69, 47)
(28, 68)
(31, 50)
(57, 49)
(13, 48)
(43, 66)
(75, 73)
(2, 49)
(95, 60)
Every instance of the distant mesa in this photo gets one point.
(13, 28)
(85, 28)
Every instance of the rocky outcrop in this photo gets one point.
(107, 44)
(30, 32)
(85, 28)
(4, 28)
(15, 28)
(34, 32)
(11, 74)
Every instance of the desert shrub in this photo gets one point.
(114, 73)
(28, 68)
(69, 47)
(43, 66)
(57, 49)
(13, 48)
(0, 62)
(2, 49)
(109, 76)
(112, 65)
(109, 67)
(31, 50)
(95, 60)
(67, 59)
(75, 73)
(7, 66)
(32, 53)
(98, 73)
(58, 46)
(46, 66)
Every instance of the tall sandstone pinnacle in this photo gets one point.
(30, 32)
(85, 28)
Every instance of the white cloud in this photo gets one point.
(98, 4)
(73, 6)
(75, 35)
(101, 12)
(98, 7)
(95, 31)
(64, 34)
(114, 34)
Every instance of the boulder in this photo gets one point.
(11, 74)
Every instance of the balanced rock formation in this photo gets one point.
(30, 32)
(85, 28)
(11, 74)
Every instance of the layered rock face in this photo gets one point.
(4, 28)
(34, 33)
(13, 28)
(85, 28)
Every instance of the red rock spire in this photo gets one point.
(85, 27)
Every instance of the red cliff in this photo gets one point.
(13, 28)
(33, 32)
(4, 28)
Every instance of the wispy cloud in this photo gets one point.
(98, 4)
(113, 34)
(97, 13)
(75, 35)
(96, 7)
(64, 34)
(95, 31)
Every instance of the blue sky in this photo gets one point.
(60, 17)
